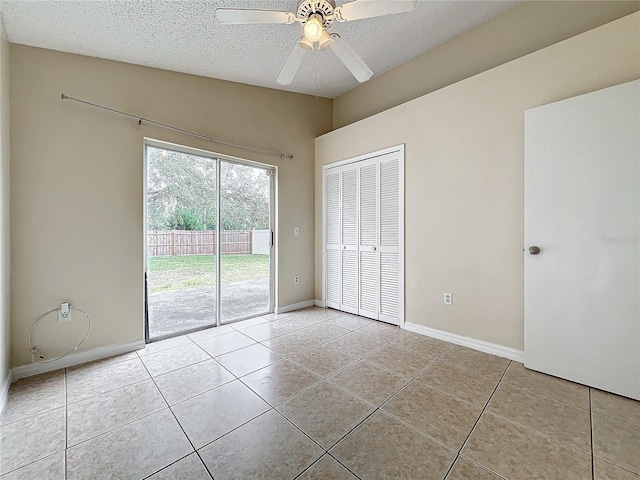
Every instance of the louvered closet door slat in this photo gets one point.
(332, 232)
(389, 286)
(349, 206)
(332, 188)
(369, 204)
(369, 284)
(349, 281)
(389, 202)
(333, 278)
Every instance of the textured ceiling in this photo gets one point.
(184, 36)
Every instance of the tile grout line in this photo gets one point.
(171, 464)
(179, 425)
(507, 382)
(168, 348)
(593, 461)
(324, 450)
(184, 366)
(464, 444)
(412, 378)
(527, 427)
(315, 462)
(132, 421)
(107, 391)
(66, 423)
(116, 428)
(475, 462)
(347, 468)
(379, 409)
(66, 405)
(88, 368)
(625, 469)
(272, 408)
(359, 358)
(323, 378)
(66, 420)
(460, 367)
(196, 451)
(38, 460)
(540, 434)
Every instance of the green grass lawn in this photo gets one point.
(190, 271)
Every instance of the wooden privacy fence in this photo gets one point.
(197, 242)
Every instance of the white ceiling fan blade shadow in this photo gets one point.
(291, 65)
(351, 60)
(232, 16)
(360, 9)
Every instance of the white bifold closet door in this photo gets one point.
(349, 238)
(362, 237)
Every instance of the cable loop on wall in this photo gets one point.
(34, 349)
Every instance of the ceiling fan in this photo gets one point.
(316, 16)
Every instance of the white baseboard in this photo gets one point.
(4, 390)
(319, 303)
(295, 306)
(474, 343)
(76, 359)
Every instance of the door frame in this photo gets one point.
(273, 226)
(366, 156)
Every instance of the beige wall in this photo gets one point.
(77, 182)
(464, 177)
(5, 341)
(518, 32)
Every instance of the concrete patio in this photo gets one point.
(176, 311)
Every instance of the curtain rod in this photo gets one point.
(176, 129)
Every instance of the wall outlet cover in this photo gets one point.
(448, 298)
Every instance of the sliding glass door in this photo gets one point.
(245, 220)
(208, 240)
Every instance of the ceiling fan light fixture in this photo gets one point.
(306, 44)
(325, 40)
(313, 28)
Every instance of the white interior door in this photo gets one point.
(582, 209)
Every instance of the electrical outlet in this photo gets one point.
(296, 231)
(64, 312)
(448, 298)
(296, 279)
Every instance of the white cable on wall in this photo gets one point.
(35, 348)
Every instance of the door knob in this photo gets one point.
(344, 247)
(374, 249)
(534, 250)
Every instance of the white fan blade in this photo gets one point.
(231, 16)
(359, 9)
(351, 60)
(291, 65)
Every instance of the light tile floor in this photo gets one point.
(314, 394)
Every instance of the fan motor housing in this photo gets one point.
(324, 8)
